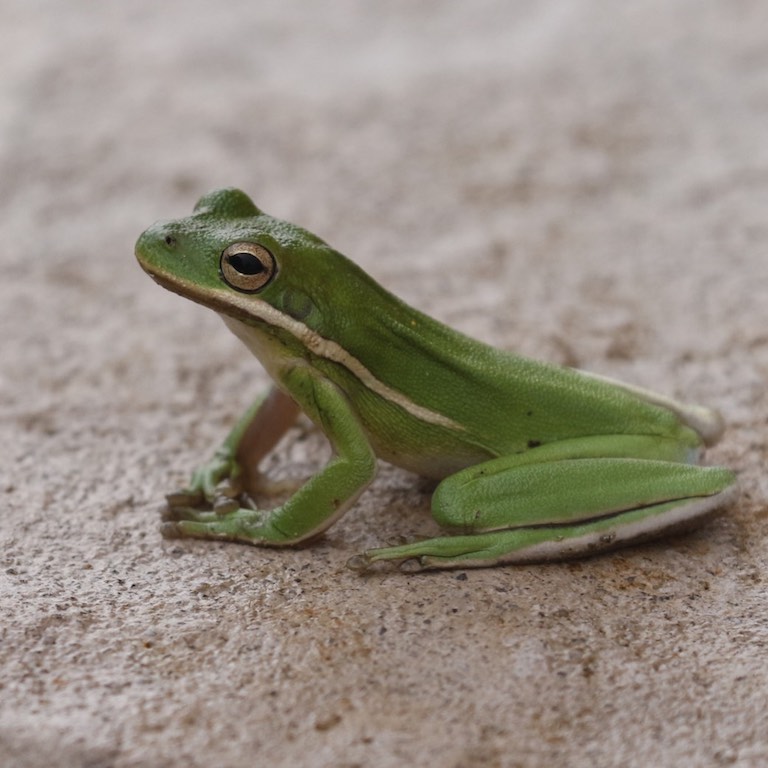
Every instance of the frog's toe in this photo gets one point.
(190, 529)
(359, 563)
(180, 514)
(187, 497)
(364, 561)
(171, 514)
(413, 565)
(196, 529)
(224, 505)
(169, 530)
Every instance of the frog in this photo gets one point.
(530, 461)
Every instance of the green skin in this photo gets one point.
(535, 462)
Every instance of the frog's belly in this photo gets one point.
(427, 452)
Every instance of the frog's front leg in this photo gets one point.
(319, 502)
(233, 469)
(564, 500)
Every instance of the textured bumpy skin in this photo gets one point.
(536, 461)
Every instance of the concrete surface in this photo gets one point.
(585, 182)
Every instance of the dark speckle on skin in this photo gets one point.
(534, 443)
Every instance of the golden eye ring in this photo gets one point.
(247, 267)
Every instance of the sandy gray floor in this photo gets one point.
(581, 182)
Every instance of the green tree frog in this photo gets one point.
(534, 461)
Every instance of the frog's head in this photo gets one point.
(237, 260)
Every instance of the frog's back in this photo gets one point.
(510, 403)
(502, 402)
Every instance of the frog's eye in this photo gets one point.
(247, 267)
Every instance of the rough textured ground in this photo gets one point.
(585, 182)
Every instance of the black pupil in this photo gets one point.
(247, 264)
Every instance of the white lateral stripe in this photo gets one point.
(330, 350)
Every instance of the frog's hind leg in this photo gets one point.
(515, 510)
(543, 543)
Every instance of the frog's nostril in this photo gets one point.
(170, 241)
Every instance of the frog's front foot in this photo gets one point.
(226, 521)
(192, 505)
(220, 476)
(191, 529)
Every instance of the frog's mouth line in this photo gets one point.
(208, 298)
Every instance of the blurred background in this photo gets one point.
(583, 182)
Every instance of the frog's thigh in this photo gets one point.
(567, 492)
